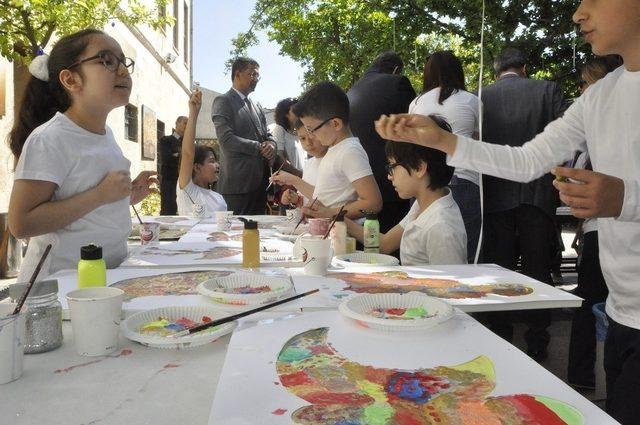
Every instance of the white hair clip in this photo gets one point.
(38, 67)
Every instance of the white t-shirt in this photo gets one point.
(76, 160)
(310, 171)
(192, 193)
(603, 121)
(461, 112)
(287, 142)
(436, 236)
(343, 164)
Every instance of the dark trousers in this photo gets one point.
(622, 365)
(467, 196)
(168, 204)
(252, 203)
(523, 232)
(593, 289)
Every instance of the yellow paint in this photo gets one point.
(376, 391)
(481, 364)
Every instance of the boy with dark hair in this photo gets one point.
(344, 175)
(433, 231)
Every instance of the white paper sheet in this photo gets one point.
(250, 392)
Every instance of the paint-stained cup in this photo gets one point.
(149, 233)
(223, 219)
(12, 334)
(294, 214)
(95, 319)
(198, 210)
(316, 254)
(319, 226)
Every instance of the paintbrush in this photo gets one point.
(333, 222)
(137, 215)
(24, 296)
(302, 217)
(228, 319)
(273, 174)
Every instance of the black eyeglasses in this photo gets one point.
(109, 60)
(390, 167)
(317, 127)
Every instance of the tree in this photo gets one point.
(337, 39)
(26, 26)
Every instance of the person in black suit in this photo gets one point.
(169, 163)
(381, 90)
(519, 217)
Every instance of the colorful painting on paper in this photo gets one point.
(213, 253)
(183, 283)
(401, 282)
(166, 233)
(224, 236)
(343, 392)
(170, 219)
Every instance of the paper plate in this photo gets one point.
(222, 289)
(131, 326)
(366, 258)
(287, 229)
(396, 312)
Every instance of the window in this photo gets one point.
(176, 33)
(131, 123)
(185, 29)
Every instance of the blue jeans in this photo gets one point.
(467, 196)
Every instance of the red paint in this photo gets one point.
(279, 412)
(531, 409)
(70, 368)
(170, 366)
(125, 352)
(406, 418)
(206, 319)
(295, 379)
(326, 399)
(321, 349)
(396, 311)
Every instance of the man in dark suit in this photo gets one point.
(381, 90)
(169, 165)
(519, 217)
(247, 151)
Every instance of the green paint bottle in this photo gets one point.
(371, 233)
(92, 270)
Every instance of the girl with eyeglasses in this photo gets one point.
(72, 185)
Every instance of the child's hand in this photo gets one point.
(413, 128)
(195, 101)
(319, 211)
(289, 197)
(283, 178)
(593, 194)
(141, 186)
(114, 187)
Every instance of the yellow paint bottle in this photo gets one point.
(92, 270)
(250, 244)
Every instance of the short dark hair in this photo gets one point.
(242, 63)
(323, 101)
(411, 156)
(282, 109)
(443, 69)
(509, 58)
(387, 62)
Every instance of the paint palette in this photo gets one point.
(133, 327)
(245, 288)
(396, 312)
(366, 259)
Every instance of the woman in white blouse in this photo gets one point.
(199, 169)
(283, 133)
(444, 94)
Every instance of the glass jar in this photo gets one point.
(43, 311)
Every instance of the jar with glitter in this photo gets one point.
(43, 328)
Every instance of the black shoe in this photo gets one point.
(538, 355)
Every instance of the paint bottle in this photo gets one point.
(339, 235)
(92, 270)
(250, 244)
(371, 233)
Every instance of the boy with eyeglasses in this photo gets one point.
(433, 231)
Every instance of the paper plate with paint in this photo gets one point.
(284, 230)
(396, 312)
(366, 258)
(154, 327)
(244, 288)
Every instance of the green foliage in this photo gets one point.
(26, 26)
(337, 39)
(150, 205)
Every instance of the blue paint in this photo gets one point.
(404, 385)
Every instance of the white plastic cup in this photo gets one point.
(95, 319)
(198, 210)
(149, 233)
(223, 219)
(11, 343)
(316, 254)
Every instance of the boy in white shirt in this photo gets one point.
(433, 231)
(344, 174)
(604, 122)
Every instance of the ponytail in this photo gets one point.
(42, 99)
